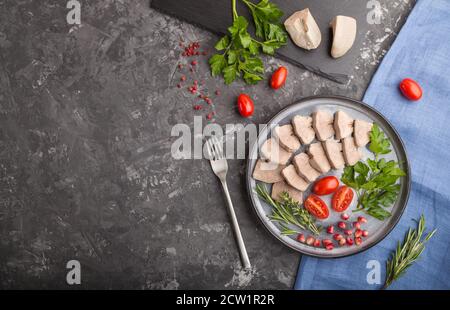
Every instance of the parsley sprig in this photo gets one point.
(375, 181)
(239, 51)
(288, 212)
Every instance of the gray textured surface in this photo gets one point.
(85, 165)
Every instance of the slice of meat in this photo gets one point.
(333, 149)
(293, 179)
(303, 128)
(362, 130)
(303, 29)
(304, 169)
(351, 152)
(318, 159)
(267, 172)
(281, 187)
(272, 152)
(286, 138)
(343, 125)
(323, 124)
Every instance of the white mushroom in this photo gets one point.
(272, 152)
(293, 179)
(343, 125)
(351, 152)
(323, 124)
(303, 29)
(344, 35)
(286, 138)
(268, 172)
(333, 149)
(282, 187)
(362, 131)
(303, 128)
(318, 159)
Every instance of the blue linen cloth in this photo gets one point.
(421, 52)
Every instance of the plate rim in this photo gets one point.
(406, 163)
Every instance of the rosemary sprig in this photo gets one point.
(288, 212)
(406, 254)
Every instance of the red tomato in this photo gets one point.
(326, 186)
(278, 78)
(245, 105)
(411, 89)
(342, 199)
(317, 207)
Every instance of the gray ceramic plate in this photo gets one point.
(377, 229)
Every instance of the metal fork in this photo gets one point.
(220, 167)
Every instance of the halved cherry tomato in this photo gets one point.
(326, 186)
(342, 199)
(245, 105)
(278, 77)
(317, 207)
(411, 89)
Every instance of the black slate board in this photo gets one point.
(215, 15)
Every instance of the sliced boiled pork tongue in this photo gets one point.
(286, 138)
(343, 125)
(268, 172)
(304, 169)
(323, 124)
(318, 159)
(362, 131)
(333, 149)
(303, 128)
(352, 154)
(281, 187)
(293, 179)
(273, 153)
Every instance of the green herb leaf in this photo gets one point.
(222, 43)
(379, 144)
(217, 63)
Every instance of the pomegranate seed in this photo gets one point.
(194, 63)
(330, 230)
(183, 54)
(183, 78)
(210, 116)
(310, 240)
(342, 225)
(358, 241)
(337, 237)
(195, 82)
(342, 242)
(317, 243)
(345, 216)
(217, 92)
(365, 233)
(208, 100)
(301, 238)
(358, 233)
(349, 241)
(179, 85)
(180, 66)
(357, 225)
(329, 247)
(197, 107)
(204, 53)
(362, 219)
(191, 69)
(326, 242)
(348, 232)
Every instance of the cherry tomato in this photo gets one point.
(342, 199)
(326, 186)
(411, 89)
(245, 105)
(278, 78)
(317, 207)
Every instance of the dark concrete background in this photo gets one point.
(86, 171)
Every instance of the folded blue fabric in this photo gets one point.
(421, 52)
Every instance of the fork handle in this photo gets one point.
(235, 226)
